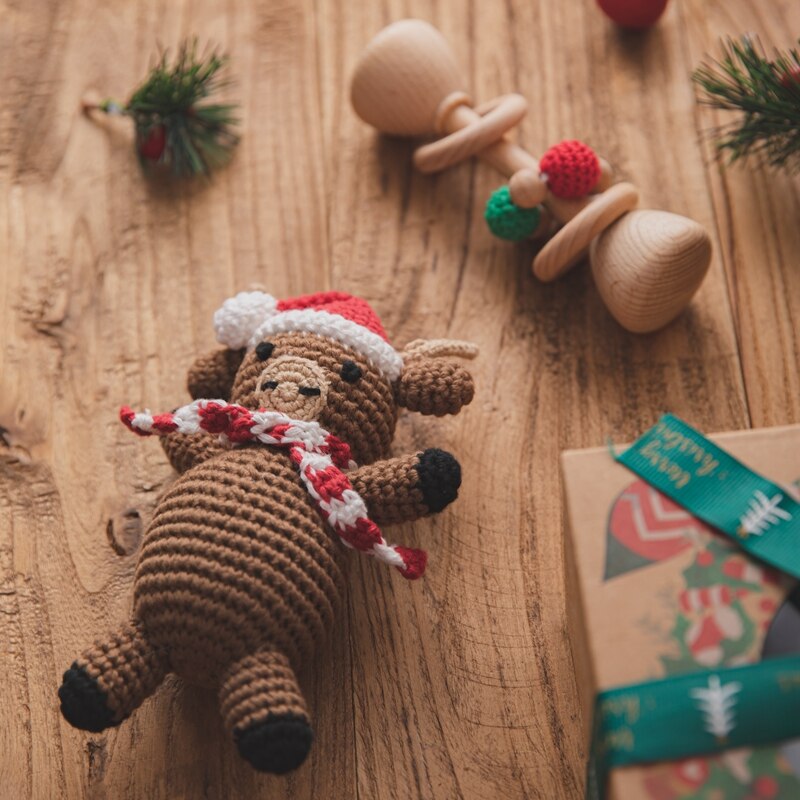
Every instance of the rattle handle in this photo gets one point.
(508, 158)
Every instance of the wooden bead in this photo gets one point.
(647, 267)
(606, 180)
(527, 188)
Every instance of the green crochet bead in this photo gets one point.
(509, 221)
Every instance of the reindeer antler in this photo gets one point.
(441, 348)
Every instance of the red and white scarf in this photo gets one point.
(319, 456)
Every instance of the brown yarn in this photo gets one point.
(127, 668)
(391, 490)
(212, 375)
(362, 414)
(235, 559)
(434, 387)
(258, 686)
(239, 576)
(185, 451)
(287, 382)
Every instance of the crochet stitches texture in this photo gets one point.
(319, 456)
(240, 572)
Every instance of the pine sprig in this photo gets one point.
(765, 92)
(175, 129)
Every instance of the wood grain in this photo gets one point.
(460, 686)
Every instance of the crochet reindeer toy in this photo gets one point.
(240, 572)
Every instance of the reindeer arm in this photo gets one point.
(212, 375)
(408, 487)
(185, 450)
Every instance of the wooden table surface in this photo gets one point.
(459, 686)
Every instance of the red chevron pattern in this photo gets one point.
(652, 526)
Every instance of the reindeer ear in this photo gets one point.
(212, 375)
(433, 386)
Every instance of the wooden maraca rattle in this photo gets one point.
(647, 264)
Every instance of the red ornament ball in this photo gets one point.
(152, 145)
(572, 169)
(633, 13)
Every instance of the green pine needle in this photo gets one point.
(766, 93)
(175, 128)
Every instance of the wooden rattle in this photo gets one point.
(647, 264)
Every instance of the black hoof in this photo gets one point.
(278, 745)
(439, 478)
(83, 702)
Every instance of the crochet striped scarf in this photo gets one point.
(318, 455)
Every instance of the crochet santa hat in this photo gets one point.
(251, 317)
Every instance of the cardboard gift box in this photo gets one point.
(654, 592)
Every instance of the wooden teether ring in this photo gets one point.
(567, 247)
(499, 116)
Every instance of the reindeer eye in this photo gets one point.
(264, 350)
(351, 372)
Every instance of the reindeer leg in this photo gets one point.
(409, 487)
(110, 680)
(264, 708)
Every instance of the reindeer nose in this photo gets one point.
(295, 385)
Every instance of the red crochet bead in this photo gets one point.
(572, 169)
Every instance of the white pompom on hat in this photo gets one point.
(239, 316)
(251, 317)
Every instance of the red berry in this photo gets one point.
(791, 78)
(766, 786)
(154, 142)
(572, 169)
(633, 13)
(705, 559)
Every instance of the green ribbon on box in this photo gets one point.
(757, 514)
(709, 711)
(697, 713)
